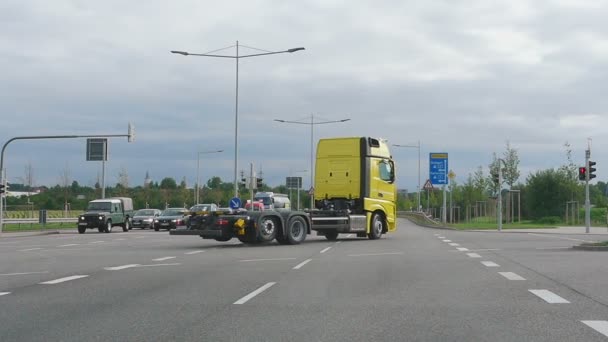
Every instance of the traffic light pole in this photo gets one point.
(499, 196)
(587, 201)
(130, 135)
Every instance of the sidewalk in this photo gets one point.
(558, 230)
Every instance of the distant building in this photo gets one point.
(147, 180)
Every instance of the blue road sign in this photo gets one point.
(438, 168)
(235, 203)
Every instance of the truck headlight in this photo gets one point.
(81, 218)
(101, 217)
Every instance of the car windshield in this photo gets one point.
(145, 212)
(172, 212)
(200, 208)
(99, 206)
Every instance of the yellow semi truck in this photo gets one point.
(355, 189)
(354, 192)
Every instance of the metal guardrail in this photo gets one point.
(48, 220)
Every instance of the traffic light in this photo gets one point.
(2, 190)
(591, 169)
(582, 173)
(258, 182)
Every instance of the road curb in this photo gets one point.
(26, 234)
(590, 248)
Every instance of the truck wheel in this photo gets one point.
(126, 226)
(281, 239)
(223, 239)
(81, 230)
(268, 228)
(296, 230)
(108, 227)
(331, 235)
(377, 227)
(248, 240)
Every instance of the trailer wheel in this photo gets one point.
(296, 230)
(377, 227)
(331, 235)
(268, 227)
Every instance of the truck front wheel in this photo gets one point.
(331, 235)
(296, 230)
(108, 226)
(377, 227)
(81, 230)
(126, 226)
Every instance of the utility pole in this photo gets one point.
(499, 195)
(587, 201)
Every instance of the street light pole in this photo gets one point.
(236, 99)
(198, 168)
(418, 186)
(312, 168)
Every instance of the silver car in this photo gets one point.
(144, 218)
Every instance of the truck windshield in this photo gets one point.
(266, 200)
(101, 206)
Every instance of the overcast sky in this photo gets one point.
(461, 77)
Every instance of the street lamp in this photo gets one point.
(312, 123)
(236, 100)
(418, 186)
(198, 168)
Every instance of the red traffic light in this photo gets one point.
(582, 173)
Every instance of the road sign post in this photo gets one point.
(438, 174)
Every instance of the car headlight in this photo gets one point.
(173, 221)
(156, 221)
(101, 217)
(81, 218)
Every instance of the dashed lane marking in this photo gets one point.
(474, 255)
(193, 252)
(447, 240)
(95, 242)
(599, 326)
(4, 293)
(490, 264)
(254, 293)
(23, 273)
(69, 245)
(118, 268)
(549, 296)
(325, 250)
(30, 249)
(462, 249)
(441, 237)
(154, 265)
(275, 259)
(300, 265)
(164, 258)
(62, 280)
(511, 276)
(453, 244)
(374, 254)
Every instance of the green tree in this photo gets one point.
(168, 183)
(546, 193)
(511, 167)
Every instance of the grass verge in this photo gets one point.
(29, 227)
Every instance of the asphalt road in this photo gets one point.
(418, 284)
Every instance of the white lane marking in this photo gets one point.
(559, 237)
(23, 273)
(29, 249)
(164, 258)
(436, 234)
(254, 293)
(193, 252)
(4, 293)
(599, 326)
(549, 296)
(454, 244)
(441, 237)
(140, 237)
(276, 259)
(118, 268)
(511, 276)
(61, 280)
(349, 235)
(325, 250)
(553, 248)
(93, 242)
(462, 249)
(154, 265)
(121, 239)
(474, 255)
(490, 264)
(69, 245)
(300, 265)
(447, 240)
(373, 254)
